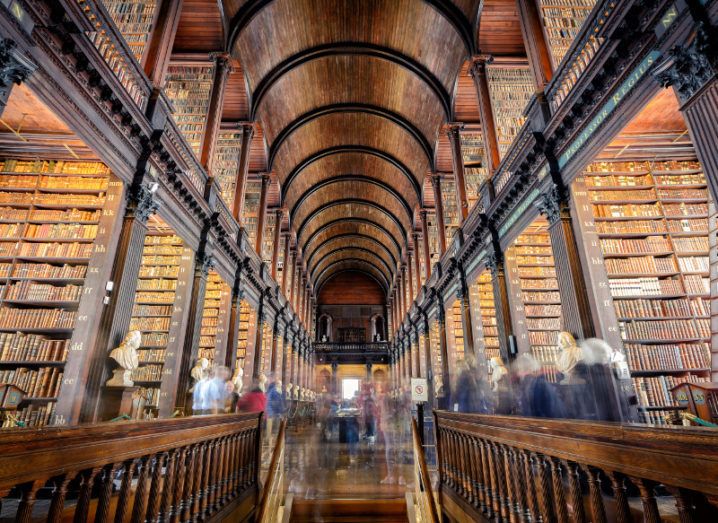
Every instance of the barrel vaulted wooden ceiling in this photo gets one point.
(350, 99)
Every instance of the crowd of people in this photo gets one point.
(590, 382)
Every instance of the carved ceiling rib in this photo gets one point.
(350, 264)
(359, 221)
(351, 253)
(310, 253)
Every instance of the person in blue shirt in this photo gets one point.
(276, 406)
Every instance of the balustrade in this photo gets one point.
(524, 469)
(188, 469)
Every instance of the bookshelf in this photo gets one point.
(433, 242)
(483, 315)
(651, 223)
(562, 21)
(135, 20)
(264, 362)
(510, 89)
(189, 88)
(456, 334)
(436, 364)
(451, 211)
(270, 222)
(215, 316)
(56, 221)
(472, 150)
(250, 211)
(225, 164)
(536, 310)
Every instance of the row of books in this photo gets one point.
(542, 310)
(44, 271)
(53, 250)
(154, 339)
(645, 287)
(691, 244)
(147, 373)
(161, 297)
(640, 265)
(151, 355)
(666, 308)
(537, 284)
(151, 310)
(32, 416)
(548, 338)
(656, 391)
(510, 90)
(631, 227)
(652, 244)
(150, 324)
(19, 319)
(643, 166)
(157, 285)
(163, 263)
(532, 272)
(646, 195)
(655, 417)
(57, 231)
(159, 271)
(682, 194)
(674, 357)
(659, 330)
(697, 285)
(167, 250)
(18, 346)
(11, 165)
(540, 297)
(31, 291)
(44, 382)
(543, 323)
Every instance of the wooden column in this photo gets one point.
(462, 294)
(275, 341)
(488, 124)
(402, 292)
(444, 348)
(286, 354)
(242, 170)
(453, 131)
(115, 317)
(258, 335)
(300, 364)
(290, 271)
(262, 214)
(295, 280)
(427, 249)
(159, 48)
(495, 263)
(234, 314)
(575, 304)
(439, 209)
(279, 213)
(14, 69)
(409, 357)
(417, 262)
(203, 264)
(417, 358)
(214, 113)
(409, 265)
(427, 359)
(285, 266)
(537, 49)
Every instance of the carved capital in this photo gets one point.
(549, 204)
(452, 130)
(478, 64)
(14, 69)
(494, 262)
(204, 263)
(435, 179)
(221, 60)
(141, 202)
(688, 68)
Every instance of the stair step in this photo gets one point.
(349, 510)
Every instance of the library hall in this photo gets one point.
(349, 261)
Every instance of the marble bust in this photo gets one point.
(127, 358)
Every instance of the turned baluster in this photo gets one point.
(491, 475)
(123, 500)
(495, 479)
(473, 475)
(598, 511)
(460, 468)
(440, 456)
(27, 502)
(201, 464)
(683, 504)
(618, 485)
(247, 459)
(511, 494)
(648, 500)
(138, 509)
(543, 487)
(226, 457)
(479, 474)
(209, 460)
(486, 473)
(87, 480)
(502, 482)
(516, 477)
(448, 459)
(102, 513)
(218, 470)
(214, 476)
(168, 491)
(155, 487)
(57, 504)
(183, 511)
(559, 499)
(530, 481)
(234, 483)
(170, 510)
(574, 492)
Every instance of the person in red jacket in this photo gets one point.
(253, 401)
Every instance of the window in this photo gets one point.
(350, 386)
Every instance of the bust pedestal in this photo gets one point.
(117, 401)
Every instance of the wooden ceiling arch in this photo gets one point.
(343, 238)
(340, 149)
(346, 241)
(348, 265)
(352, 208)
(339, 178)
(343, 108)
(352, 224)
(352, 253)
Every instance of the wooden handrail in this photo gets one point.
(425, 501)
(185, 468)
(273, 491)
(507, 467)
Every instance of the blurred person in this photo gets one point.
(369, 412)
(536, 396)
(471, 392)
(393, 423)
(254, 400)
(200, 395)
(276, 407)
(217, 391)
(499, 377)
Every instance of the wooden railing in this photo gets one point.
(273, 491)
(506, 468)
(188, 469)
(424, 496)
(329, 346)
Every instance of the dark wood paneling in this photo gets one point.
(351, 288)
